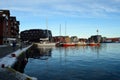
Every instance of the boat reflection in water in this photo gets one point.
(43, 53)
(39, 53)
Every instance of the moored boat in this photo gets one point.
(81, 44)
(68, 44)
(93, 44)
(59, 44)
(46, 44)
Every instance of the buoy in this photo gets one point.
(3, 65)
(13, 55)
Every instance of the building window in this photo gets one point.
(6, 23)
(7, 41)
(4, 42)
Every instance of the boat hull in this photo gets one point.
(81, 44)
(68, 44)
(46, 45)
(94, 44)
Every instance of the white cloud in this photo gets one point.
(116, 0)
(64, 7)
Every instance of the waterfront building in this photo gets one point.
(14, 24)
(36, 35)
(83, 40)
(4, 25)
(95, 38)
(112, 40)
(104, 39)
(14, 29)
(67, 39)
(74, 39)
(58, 39)
(9, 27)
(63, 39)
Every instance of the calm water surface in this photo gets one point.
(76, 63)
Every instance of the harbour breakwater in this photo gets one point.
(8, 69)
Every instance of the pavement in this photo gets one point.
(5, 50)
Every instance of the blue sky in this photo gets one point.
(82, 17)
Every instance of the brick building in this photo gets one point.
(8, 31)
(64, 39)
(112, 40)
(14, 32)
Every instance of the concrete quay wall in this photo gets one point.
(6, 63)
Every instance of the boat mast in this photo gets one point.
(46, 24)
(65, 28)
(47, 28)
(60, 29)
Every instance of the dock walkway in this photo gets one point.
(5, 50)
(7, 73)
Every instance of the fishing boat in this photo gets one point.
(46, 44)
(93, 44)
(59, 44)
(65, 44)
(68, 44)
(81, 44)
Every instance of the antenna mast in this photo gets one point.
(47, 27)
(46, 24)
(97, 32)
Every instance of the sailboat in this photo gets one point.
(45, 41)
(64, 44)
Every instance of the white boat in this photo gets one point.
(45, 44)
(93, 44)
(81, 44)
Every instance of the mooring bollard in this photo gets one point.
(3, 65)
(13, 55)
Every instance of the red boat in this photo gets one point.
(68, 44)
(93, 44)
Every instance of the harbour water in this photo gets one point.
(75, 63)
